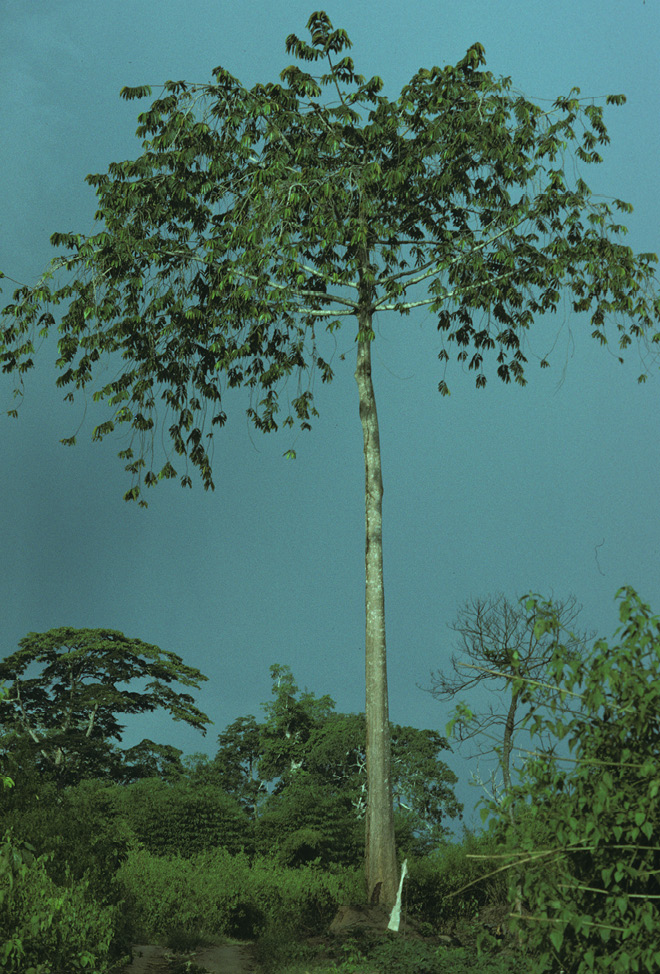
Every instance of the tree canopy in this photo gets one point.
(255, 216)
(67, 716)
(303, 771)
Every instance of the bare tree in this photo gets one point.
(497, 643)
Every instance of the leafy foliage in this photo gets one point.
(182, 818)
(46, 928)
(236, 765)
(150, 760)
(78, 833)
(251, 212)
(301, 774)
(58, 908)
(309, 822)
(220, 894)
(5, 780)
(67, 715)
(399, 956)
(291, 719)
(588, 896)
(451, 883)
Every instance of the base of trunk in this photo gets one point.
(366, 919)
(368, 922)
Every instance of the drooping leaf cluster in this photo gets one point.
(582, 827)
(254, 217)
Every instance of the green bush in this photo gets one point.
(182, 819)
(46, 928)
(310, 822)
(79, 833)
(398, 956)
(584, 825)
(434, 890)
(220, 894)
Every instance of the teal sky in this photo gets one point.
(552, 488)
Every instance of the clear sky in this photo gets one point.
(552, 488)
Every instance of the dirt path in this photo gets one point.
(219, 959)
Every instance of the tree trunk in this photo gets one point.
(381, 862)
(508, 743)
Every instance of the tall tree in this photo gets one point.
(255, 214)
(499, 642)
(67, 713)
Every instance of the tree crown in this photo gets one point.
(253, 216)
(67, 714)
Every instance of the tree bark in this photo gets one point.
(508, 743)
(381, 863)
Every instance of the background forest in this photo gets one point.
(106, 847)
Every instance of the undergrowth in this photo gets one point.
(391, 956)
(217, 894)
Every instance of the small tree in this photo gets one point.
(236, 765)
(291, 719)
(499, 640)
(255, 215)
(68, 713)
(586, 855)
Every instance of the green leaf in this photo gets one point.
(141, 91)
(621, 903)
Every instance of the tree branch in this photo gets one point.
(91, 720)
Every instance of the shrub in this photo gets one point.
(310, 822)
(589, 895)
(400, 956)
(435, 890)
(45, 928)
(221, 894)
(180, 819)
(79, 834)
